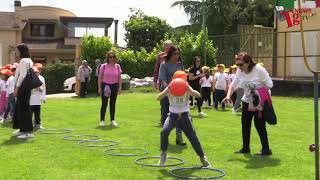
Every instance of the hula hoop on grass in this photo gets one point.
(137, 161)
(55, 131)
(107, 152)
(83, 143)
(91, 137)
(172, 173)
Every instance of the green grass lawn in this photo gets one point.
(50, 157)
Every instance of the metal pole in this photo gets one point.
(204, 31)
(285, 57)
(316, 122)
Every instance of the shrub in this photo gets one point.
(56, 74)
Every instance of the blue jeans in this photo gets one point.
(183, 122)
(10, 107)
(165, 111)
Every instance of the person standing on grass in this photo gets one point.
(251, 76)
(84, 74)
(110, 85)
(180, 117)
(96, 75)
(195, 74)
(5, 74)
(221, 80)
(160, 59)
(38, 96)
(11, 100)
(206, 86)
(167, 69)
(22, 120)
(238, 92)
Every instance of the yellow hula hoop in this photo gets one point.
(303, 45)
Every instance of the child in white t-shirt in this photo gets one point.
(179, 116)
(38, 96)
(5, 74)
(11, 105)
(221, 81)
(206, 86)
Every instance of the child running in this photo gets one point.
(206, 86)
(179, 93)
(38, 96)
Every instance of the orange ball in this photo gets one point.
(178, 87)
(180, 74)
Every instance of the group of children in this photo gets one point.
(215, 84)
(8, 100)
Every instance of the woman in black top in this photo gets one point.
(195, 74)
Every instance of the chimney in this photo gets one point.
(17, 4)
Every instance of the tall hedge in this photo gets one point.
(56, 74)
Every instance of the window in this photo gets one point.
(42, 30)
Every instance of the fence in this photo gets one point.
(281, 52)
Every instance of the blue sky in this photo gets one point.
(118, 9)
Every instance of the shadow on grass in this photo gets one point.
(165, 174)
(7, 125)
(14, 141)
(106, 128)
(257, 162)
(176, 149)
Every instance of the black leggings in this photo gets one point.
(199, 100)
(206, 93)
(36, 110)
(260, 125)
(113, 98)
(219, 95)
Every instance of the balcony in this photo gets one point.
(72, 41)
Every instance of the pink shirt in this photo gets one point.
(110, 73)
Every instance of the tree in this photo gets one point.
(93, 48)
(144, 31)
(225, 15)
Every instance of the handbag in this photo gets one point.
(31, 81)
(268, 114)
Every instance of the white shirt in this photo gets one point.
(179, 104)
(221, 80)
(10, 84)
(38, 94)
(258, 77)
(206, 82)
(22, 70)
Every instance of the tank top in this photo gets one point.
(179, 104)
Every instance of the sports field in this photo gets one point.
(50, 157)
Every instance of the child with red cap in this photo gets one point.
(179, 93)
(11, 105)
(4, 74)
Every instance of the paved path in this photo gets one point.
(62, 95)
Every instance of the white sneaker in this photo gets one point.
(114, 123)
(102, 123)
(26, 135)
(38, 126)
(17, 133)
(202, 114)
(2, 121)
(163, 158)
(205, 162)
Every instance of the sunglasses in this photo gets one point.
(176, 54)
(112, 57)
